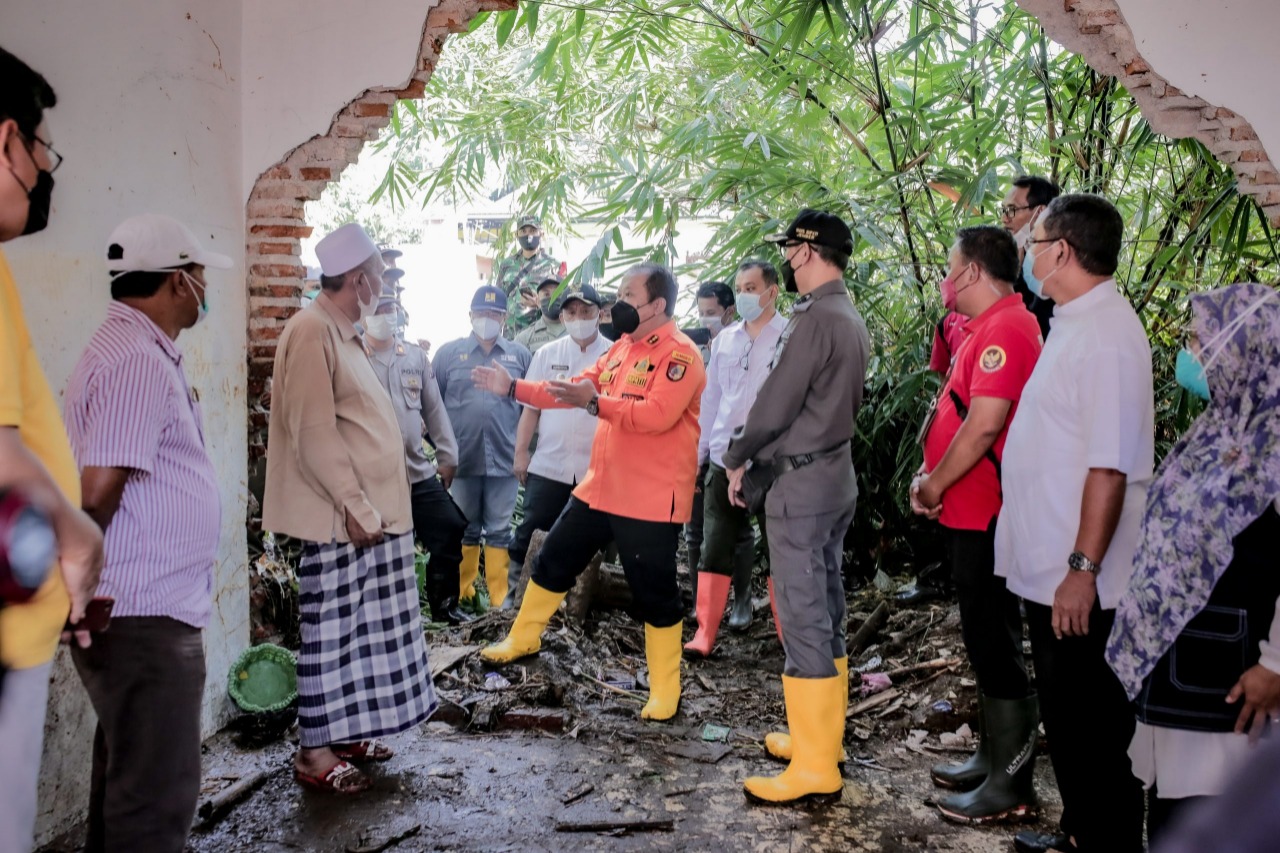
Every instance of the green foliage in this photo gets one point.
(908, 118)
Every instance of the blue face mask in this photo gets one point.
(1190, 374)
(1034, 284)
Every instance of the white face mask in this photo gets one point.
(712, 324)
(486, 328)
(1022, 235)
(202, 307)
(750, 305)
(581, 330)
(381, 326)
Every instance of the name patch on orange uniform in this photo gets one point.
(683, 358)
(638, 379)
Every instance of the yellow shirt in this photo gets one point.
(29, 632)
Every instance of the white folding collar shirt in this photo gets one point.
(1088, 404)
(737, 369)
(564, 435)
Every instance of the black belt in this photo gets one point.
(791, 463)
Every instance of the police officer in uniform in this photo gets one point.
(801, 424)
(438, 524)
(638, 488)
(485, 486)
(519, 274)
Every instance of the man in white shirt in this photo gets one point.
(740, 359)
(1077, 462)
(564, 435)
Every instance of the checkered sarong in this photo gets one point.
(362, 671)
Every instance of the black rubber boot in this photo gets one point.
(741, 612)
(970, 773)
(442, 598)
(1008, 793)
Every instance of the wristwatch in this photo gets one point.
(593, 407)
(1078, 562)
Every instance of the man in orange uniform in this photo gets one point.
(638, 490)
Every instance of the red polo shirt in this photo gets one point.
(995, 359)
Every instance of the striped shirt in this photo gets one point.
(128, 405)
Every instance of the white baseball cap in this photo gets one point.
(153, 242)
(344, 249)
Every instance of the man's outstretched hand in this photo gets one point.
(494, 379)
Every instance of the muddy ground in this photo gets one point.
(475, 783)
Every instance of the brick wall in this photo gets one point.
(1097, 31)
(275, 211)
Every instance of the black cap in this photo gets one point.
(819, 228)
(584, 293)
(552, 279)
(394, 275)
(388, 252)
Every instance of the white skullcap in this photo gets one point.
(344, 249)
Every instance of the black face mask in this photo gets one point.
(529, 242)
(626, 319)
(39, 198)
(789, 276)
(609, 331)
(550, 310)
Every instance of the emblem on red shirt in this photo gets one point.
(992, 359)
(675, 372)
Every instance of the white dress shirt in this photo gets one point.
(1088, 404)
(737, 369)
(564, 435)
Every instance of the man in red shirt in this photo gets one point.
(638, 490)
(959, 484)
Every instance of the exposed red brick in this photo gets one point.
(276, 248)
(415, 89)
(267, 333)
(264, 208)
(315, 173)
(363, 109)
(1253, 155)
(277, 312)
(1243, 133)
(278, 270)
(263, 350)
(298, 231)
(280, 291)
(258, 420)
(278, 172)
(1266, 176)
(1137, 66)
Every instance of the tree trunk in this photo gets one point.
(602, 586)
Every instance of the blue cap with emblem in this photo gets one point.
(489, 298)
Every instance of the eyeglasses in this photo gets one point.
(1008, 210)
(54, 157)
(745, 361)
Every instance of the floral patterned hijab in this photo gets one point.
(1218, 479)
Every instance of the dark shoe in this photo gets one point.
(968, 774)
(1008, 792)
(1041, 842)
(741, 612)
(443, 600)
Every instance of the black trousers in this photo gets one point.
(145, 678)
(1090, 723)
(990, 621)
(544, 500)
(438, 524)
(646, 549)
(1162, 813)
(726, 529)
(693, 527)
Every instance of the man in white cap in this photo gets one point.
(146, 478)
(362, 670)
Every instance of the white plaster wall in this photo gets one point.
(300, 69)
(1223, 51)
(148, 119)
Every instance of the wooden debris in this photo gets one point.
(578, 793)
(641, 825)
(863, 636)
(444, 658)
(220, 804)
(874, 702)
(940, 663)
(543, 719)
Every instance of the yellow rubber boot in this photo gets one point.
(497, 562)
(778, 744)
(468, 571)
(525, 637)
(815, 715)
(662, 652)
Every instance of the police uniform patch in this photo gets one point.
(462, 357)
(559, 367)
(651, 340)
(992, 359)
(613, 363)
(606, 377)
(682, 357)
(643, 365)
(675, 372)
(638, 379)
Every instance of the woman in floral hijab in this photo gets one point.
(1196, 641)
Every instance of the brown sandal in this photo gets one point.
(342, 778)
(365, 750)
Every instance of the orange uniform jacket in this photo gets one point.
(644, 458)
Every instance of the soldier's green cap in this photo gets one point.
(528, 219)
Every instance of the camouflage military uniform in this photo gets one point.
(517, 271)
